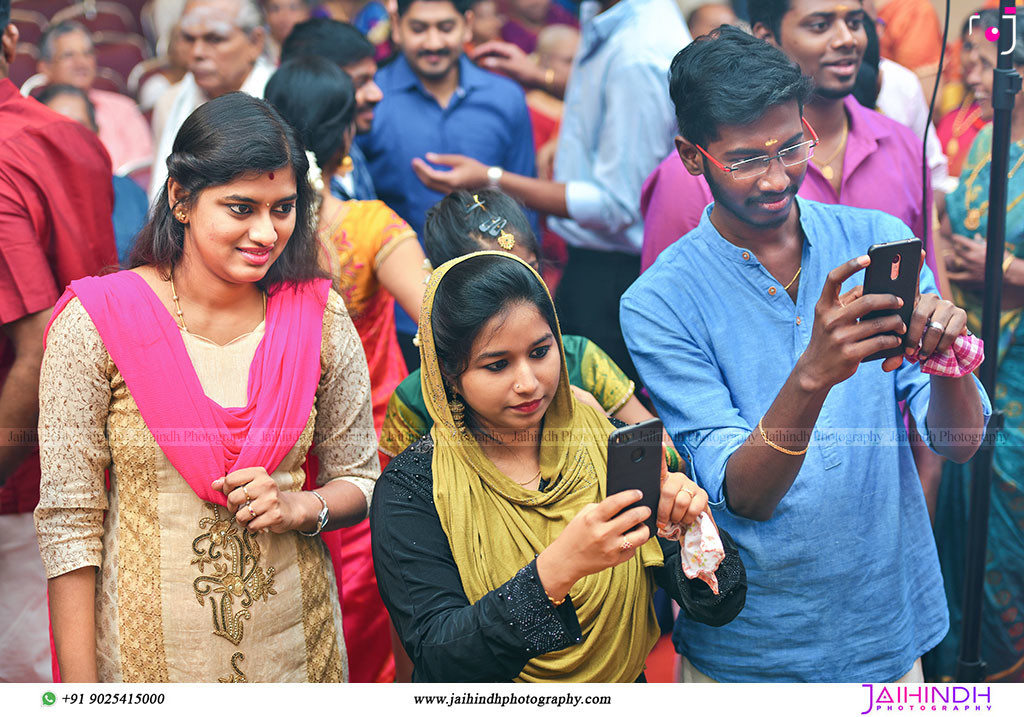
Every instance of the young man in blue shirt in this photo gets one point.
(747, 333)
(437, 101)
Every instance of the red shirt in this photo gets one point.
(56, 200)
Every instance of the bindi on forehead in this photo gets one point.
(772, 142)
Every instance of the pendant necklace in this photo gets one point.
(826, 167)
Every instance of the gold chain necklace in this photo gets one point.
(525, 483)
(177, 306)
(973, 219)
(786, 287)
(826, 170)
(181, 316)
(961, 125)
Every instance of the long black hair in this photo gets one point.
(226, 138)
(471, 294)
(453, 225)
(317, 98)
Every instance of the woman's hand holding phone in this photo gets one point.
(681, 499)
(600, 536)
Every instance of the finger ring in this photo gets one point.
(626, 545)
(691, 492)
(245, 489)
(936, 325)
(248, 504)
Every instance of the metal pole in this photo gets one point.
(1007, 83)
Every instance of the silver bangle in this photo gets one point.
(321, 518)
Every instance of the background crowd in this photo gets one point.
(430, 129)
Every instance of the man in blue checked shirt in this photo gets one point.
(437, 101)
(748, 337)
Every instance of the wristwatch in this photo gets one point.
(494, 175)
(321, 519)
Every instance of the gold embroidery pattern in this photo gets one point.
(239, 676)
(323, 658)
(234, 556)
(143, 657)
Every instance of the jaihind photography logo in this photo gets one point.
(883, 699)
(992, 33)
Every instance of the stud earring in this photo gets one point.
(181, 216)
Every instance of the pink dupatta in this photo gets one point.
(203, 440)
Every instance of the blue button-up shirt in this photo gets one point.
(844, 581)
(618, 122)
(486, 119)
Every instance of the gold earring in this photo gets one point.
(181, 216)
(347, 165)
(458, 409)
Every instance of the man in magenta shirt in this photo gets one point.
(863, 159)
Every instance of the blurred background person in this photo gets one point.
(225, 40)
(556, 46)
(55, 206)
(345, 46)
(526, 18)
(487, 23)
(67, 57)
(961, 124)
(174, 69)
(130, 203)
(707, 16)
(282, 16)
(370, 17)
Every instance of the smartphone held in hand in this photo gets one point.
(894, 269)
(634, 462)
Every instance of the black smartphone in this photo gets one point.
(893, 270)
(634, 461)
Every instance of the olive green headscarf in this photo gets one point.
(495, 527)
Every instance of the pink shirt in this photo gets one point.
(122, 128)
(881, 170)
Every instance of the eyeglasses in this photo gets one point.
(756, 166)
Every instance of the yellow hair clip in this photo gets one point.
(506, 241)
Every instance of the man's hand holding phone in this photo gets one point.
(839, 339)
(934, 325)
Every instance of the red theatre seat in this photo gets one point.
(120, 52)
(99, 17)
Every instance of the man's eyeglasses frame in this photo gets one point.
(766, 160)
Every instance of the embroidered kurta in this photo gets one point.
(184, 593)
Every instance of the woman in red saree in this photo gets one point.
(199, 379)
(375, 260)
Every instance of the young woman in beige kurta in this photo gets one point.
(181, 553)
(183, 593)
